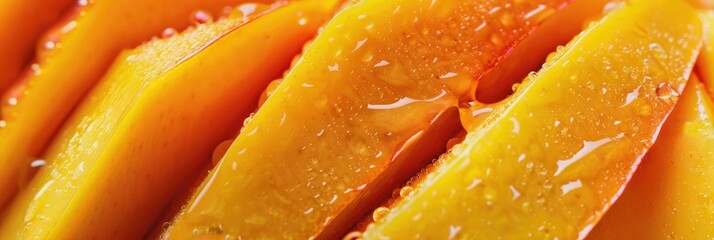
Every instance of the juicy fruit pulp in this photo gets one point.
(35, 108)
(125, 155)
(18, 40)
(557, 153)
(367, 88)
(705, 65)
(670, 194)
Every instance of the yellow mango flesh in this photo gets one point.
(670, 195)
(152, 123)
(705, 65)
(345, 116)
(553, 157)
(32, 111)
(21, 24)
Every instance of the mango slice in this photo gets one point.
(705, 65)
(554, 156)
(21, 25)
(153, 121)
(339, 132)
(83, 48)
(669, 196)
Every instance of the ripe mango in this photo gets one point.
(83, 48)
(21, 25)
(152, 122)
(338, 133)
(551, 159)
(669, 196)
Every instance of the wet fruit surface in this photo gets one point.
(79, 52)
(356, 119)
(670, 195)
(554, 156)
(21, 24)
(366, 88)
(125, 155)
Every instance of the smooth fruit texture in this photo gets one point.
(670, 195)
(21, 24)
(154, 120)
(83, 48)
(551, 159)
(349, 113)
(705, 65)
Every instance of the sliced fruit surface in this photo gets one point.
(21, 25)
(669, 196)
(82, 49)
(705, 65)
(554, 156)
(154, 120)
(367, 90)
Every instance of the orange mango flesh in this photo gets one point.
(151, 124)
(83, 48)
(366, 89)
(551, 159)
(669, 196)
(21, 24)
(705, 65)
(529, 55)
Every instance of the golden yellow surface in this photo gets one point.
(153, 122)
(346, 115)
(705, 65)
(670, 195)
(553, 157)
(85, 46)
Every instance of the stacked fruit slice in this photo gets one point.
(381, 91)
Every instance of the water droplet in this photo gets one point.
(448, 75)
(515, 192)
(515, 86)
(658, 51)
(516, 125)
(631, 97)
(380, 213)
(381, 64)
(355, 235)
(587, 148)
(3, 124)
(38, 163)
(405, 191)
(334, 68)
(360, 44)
(12, 101)
(666, 91)
(473, 184)
(302, 21)
(403, 102)
(453, 231)
(168, 32)
(220, 151)
(201, 17)
(248, 9)
(571, 186)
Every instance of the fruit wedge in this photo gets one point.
(82, 50)
(670, 195)
(21, 24)
(154, 120)
(554, 156)
(339, 133)
(705, 65)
